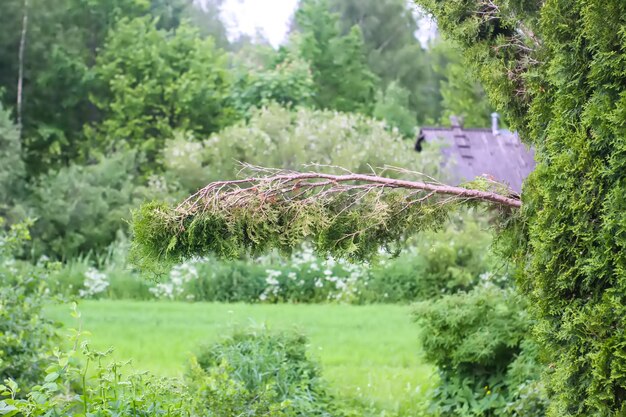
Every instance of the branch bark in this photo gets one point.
(284, 183)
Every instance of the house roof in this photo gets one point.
(474, 152)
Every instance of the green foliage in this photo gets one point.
(102, 274)
(455, 259)
(556, 69)
(26, 337)
(152, 82)
(393, 52)
(216, 393)
(287, 82)
(81, 208)
(63, 40)
(253, 373)
(499, 43)
(368, 354)
(439, 263)
(12, 170)
(478, 342)
(262, 361)
(461, 94)
(342, 77)
(165, 236)
(281, 138)
(303, 278)
(68, 389)
(232, 281)
(106, 393)
(393, 107)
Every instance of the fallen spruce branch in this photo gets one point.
(347, 215)
(291, 185)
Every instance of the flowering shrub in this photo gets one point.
(290, 139)
(95, 283)
(174, 287)
(306, 278)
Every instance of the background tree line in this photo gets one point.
(107, 84)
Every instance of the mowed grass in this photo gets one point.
(367, 353)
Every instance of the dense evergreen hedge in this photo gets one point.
(558, 69)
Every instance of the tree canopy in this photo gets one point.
(151, 82)
(343, 79)
(393, 51)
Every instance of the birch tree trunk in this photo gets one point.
(20, 79)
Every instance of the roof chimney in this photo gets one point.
(494, 124)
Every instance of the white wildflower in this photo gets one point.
(96, 282)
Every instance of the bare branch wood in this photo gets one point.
(309, 186)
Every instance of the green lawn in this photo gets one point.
(367, 352)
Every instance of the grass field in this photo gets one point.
(368, 353)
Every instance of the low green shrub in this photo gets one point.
(277, 363)
(106, 275)
(81, 208)
(479, 341)
(235, 281)
(250, 374)
(444, 262)
(81, 382)
(26, 337)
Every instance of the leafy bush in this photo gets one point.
(303, 278)
(235, 281)
(478, 341)
(216, 393)
(68, 389)
(438, 263)
(107, 394)
(80, 208)
(306, 278)
(26, 337)
(283, 138)
(104, 275)
(277, 363)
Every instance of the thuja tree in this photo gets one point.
(556, 69)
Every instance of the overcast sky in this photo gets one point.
(271, 18)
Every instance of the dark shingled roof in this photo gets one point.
(475, 152)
